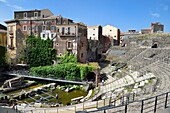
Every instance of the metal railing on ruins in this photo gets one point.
(123, 103)
(128, 104)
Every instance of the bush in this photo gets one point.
(66, 71)
(70, 71)
(84, 70)
(68, 58)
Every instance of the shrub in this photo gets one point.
(70, 71)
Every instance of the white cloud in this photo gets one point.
(4, 1)
(16, 7)
(155, 15)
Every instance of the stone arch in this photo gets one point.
(91, 76)
(155, 45)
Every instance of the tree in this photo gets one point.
(39, 52)
(68, 58)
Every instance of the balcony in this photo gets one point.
(67, 34)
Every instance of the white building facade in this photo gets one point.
(94, 36)
(113, 33)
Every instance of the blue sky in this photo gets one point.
(123, 14)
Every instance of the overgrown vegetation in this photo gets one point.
(68, 58)
(68, 68)
(39, 52)
(70, 71)
(39, 55)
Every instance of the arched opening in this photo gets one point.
(91, 76)
(155, 45)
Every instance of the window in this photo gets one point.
(11, 46)
(58, 30)
(52, 35)
(43, 36)
(68, 30)
(10, 29)
(25, 15)
(69, 45)
(52, 21)
(43, 27)
(81, 55)
(36, 28)
(110, 30)
(35, 14)
(93, 29)
(62, 30)
(52, 27)
(24, 27)
(46, 22)
(93, 34)
(17, 16)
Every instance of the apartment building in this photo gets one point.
(44, 24)
(113, 33)
(72, 37)
(95, 41)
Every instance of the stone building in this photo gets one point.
(113, 33)
(72, 37)
(40, 23)
(95, 41)
(156, 27)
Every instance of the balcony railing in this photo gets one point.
(67, 34)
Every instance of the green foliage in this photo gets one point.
(23, 56)
(39, 52)
(65, 71)
(70, 71)
(84, 70)
(68, 58)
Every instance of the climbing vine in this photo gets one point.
(39, 52)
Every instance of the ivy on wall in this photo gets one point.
(39, 52)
